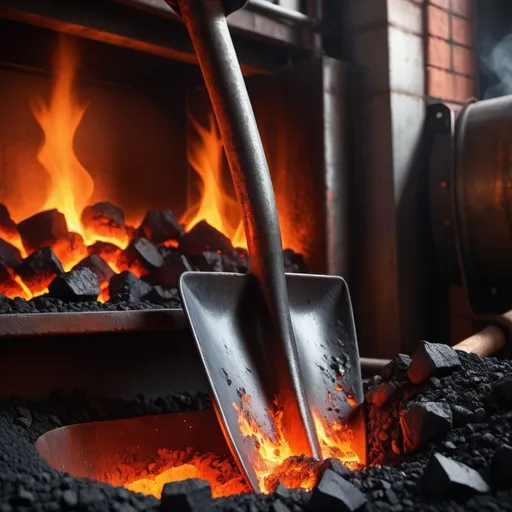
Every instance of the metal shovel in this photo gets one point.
(280, 351)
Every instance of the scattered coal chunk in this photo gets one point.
(98, 266)
(73, 245)
(203, 237)
(168, 275)
(462, 415)
(8, 285)
(141, 255)
(8, 228)
(402, 363)
(381, 394)
(207, 261)
(10, 257)
(78, 285)
(161, 226)
(334, 493)
(423, 422)
(294, 262)
(105, 250)
(127, 283)
(447, 478)
(192, 495)
(336, 466)
(503, 387)
(431, 359)
(104, 219)
(159, 295)
(44, 229)
(39, 269)
(501, 468)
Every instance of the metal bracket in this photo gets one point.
(441, 127)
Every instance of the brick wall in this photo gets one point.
(449, 51)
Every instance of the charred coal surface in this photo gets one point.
(463, 467)
(142, 276)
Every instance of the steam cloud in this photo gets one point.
(497, 62)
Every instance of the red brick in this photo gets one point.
(461, 7)
(439, 53)
(461, 31)
(464, 88)
(444, 4)
(463, 60)
(438, 22)
(440, 84)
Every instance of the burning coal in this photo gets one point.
(75, 227)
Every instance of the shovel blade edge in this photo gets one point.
(230, 324)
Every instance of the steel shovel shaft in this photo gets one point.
(208, 29)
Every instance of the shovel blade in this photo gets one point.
(230, 325)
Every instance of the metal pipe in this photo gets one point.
(209, 32)
(282, 14)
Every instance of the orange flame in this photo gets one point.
(71, 186)
(216, 206)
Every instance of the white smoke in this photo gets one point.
(497, 65)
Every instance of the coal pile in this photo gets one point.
(61, 273)
(460, 462)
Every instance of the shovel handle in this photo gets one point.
(491, 339)
(208, 29)
(485, 343)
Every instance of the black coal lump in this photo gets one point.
(336, 466)
(503, 388)
(423, 422)
(447, 478)
(334, 493)
(192, 495)
(501, 468)
(128, 283)
(431, 359)
(77, 285)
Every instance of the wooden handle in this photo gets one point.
(487, 342)
(484, 343)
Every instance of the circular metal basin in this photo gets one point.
(94, 450)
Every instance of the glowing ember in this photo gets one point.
(275, 460)
(275, 463)
(221, 473)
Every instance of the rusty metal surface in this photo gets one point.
(94, 450)
(51, 324)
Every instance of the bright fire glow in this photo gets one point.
(273, 453)
(70, 185)
(216, 205)
(221, 473)
(275, 462)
